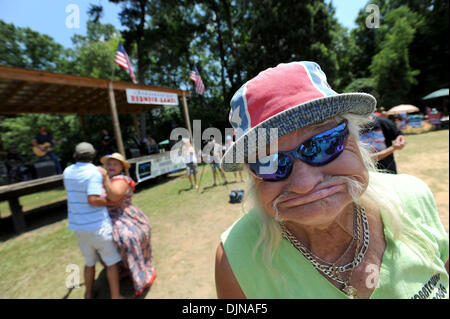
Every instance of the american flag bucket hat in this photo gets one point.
(287, 97)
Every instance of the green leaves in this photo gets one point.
(390, 67)
(23, 47)
(231, 41)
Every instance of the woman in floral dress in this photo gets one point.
(131, 227)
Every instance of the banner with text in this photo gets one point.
(151, 97)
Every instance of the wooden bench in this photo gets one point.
(11, 193)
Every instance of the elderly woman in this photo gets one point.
(323, 222)
(131, 228)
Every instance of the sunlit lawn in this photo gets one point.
(427, 157)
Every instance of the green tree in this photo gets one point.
(23, 47)
(93, 56)
(427, 52)
(390, 67)
(344, 47)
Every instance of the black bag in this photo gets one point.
(236, 196)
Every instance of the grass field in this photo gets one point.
(186, 228)
(427, 157)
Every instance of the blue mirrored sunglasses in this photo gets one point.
(318, 150)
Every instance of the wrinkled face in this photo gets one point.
(313, 196)
(114, 167)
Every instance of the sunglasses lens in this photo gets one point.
(325, 147)
(273, 168)
(317, 151)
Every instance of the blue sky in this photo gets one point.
(49, 16)
(347, 11)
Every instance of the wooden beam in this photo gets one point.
(98, 103)
(186, 116)
(20, 74)
(70, 95)
(36, 94)
(94, 98)
(64, 100)
(12, 93)
(29, 187)
(63, 92)
(115, 117)
(79, 97)
(66, 89)
(49, 77)
(67, 93)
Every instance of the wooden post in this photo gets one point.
(136, 126)
(143, 123)
(186, 116)
(115, 118)
(17, 215)
(83, 126)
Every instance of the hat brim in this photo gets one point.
(311, 112)
(105, 159)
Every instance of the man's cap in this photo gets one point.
(84, 148)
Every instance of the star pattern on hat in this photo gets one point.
(236, 118)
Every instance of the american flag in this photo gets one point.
(122, 60)
(195, 76)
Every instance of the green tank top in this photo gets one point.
(402, 273)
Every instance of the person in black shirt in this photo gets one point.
(45, 137)
(384, 139)
(108, 142)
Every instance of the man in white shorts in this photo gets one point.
(89, 218)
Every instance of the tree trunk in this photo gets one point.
(141, 62)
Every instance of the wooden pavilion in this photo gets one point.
(29, 91)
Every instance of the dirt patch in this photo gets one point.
(185, 258)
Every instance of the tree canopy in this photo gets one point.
(230, 41)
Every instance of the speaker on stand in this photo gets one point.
(44, 169)
(132, 152)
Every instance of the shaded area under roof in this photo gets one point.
(30, 91)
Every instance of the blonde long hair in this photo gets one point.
(375, 196)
